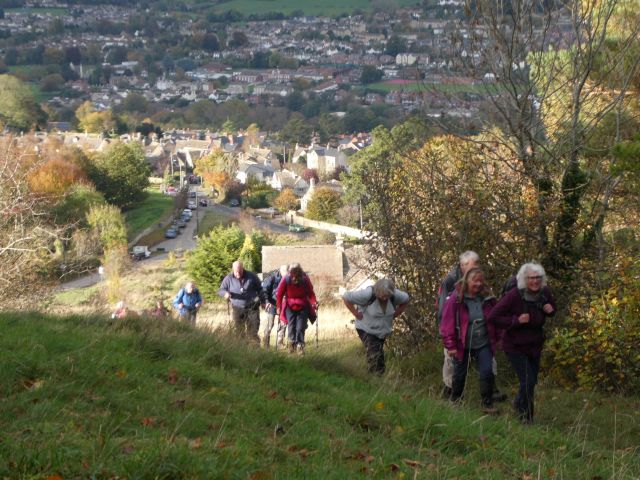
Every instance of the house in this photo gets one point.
(325, 160)
(287, 179)
(248, 170)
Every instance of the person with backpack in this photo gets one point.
(466, 261)
(243, 290)
(187, 302)
(375, 308)
(521, 313)
(270, 286)
(467, 335)
(295, 303)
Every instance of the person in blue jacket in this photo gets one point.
(187, 302)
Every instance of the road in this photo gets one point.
(186, 241)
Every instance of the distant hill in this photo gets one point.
(96, 398)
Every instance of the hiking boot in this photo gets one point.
(301, 350)
(498, 396)
(489, 410)
(292, 348)
(446, 393)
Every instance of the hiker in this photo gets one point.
(467, 260)
(187, 302)
(522, 313)
(375, 308)
(243, 290)
(270, 286)
(159, 311)
(295, 303)
(121, 310)
(467, 335)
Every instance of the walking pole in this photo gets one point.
(317, 321)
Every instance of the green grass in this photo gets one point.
(319, 7)
(386, 87)
(76, 296)
(212, 220)
(56, 11)
(93, 398)
(151, 210)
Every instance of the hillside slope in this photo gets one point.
(91, 397)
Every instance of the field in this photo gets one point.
(88, 397)
(151, 210)
(319, 7)
(55, 11)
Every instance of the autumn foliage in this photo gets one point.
(55, 177)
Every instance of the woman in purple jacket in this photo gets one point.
(521, 313)
(467, 334)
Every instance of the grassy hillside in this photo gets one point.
(94, 398)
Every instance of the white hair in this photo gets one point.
(469, 256)
(532, 267)
(120, 305)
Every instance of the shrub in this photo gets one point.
(598, 346)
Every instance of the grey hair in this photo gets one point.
(469, 256)
(384, 287)
(530, 267)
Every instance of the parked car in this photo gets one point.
(191, 205)
(203, 202)
(185, 218)
(294, 227)
(180, 223)
(171, 233)
(140, 252)
(186, 211)
(234, 202)
(192, 194)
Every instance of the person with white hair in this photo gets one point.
(270, 286)
(375, 308)
(521, 313)
(188, 301)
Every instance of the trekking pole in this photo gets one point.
(317, 321)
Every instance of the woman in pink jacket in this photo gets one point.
(467, 335)
(295, 301)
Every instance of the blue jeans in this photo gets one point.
(526, 367)
(297, 325)
(484, 363)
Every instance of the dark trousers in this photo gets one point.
(375, 351)
(297, 325)
(527, 368)
(189, 316)
(246, 323)
(484, 363)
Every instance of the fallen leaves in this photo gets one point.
(32, 383)
(195, 444)
(379, 406)
(148, 421)
(172, 376)
(121, 374)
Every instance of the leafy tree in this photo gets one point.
(121, 173)
(93, 121)
(55, 177)
(324, 205)
(395, 45)
(135, 103)
(370, 74)
(238, 39)
(108, 223)
(76, 204)
(310, 173)
(217, 169)
(286, 200)
(52, 83)
(18, 106)
(297, 130)
(211, 260)
(250, 256)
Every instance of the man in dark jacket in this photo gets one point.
(188, 301)
(243, 290)
(270, 286)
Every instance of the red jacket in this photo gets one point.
(296, 296)
(455, 340)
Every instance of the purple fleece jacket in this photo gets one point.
(455, 340)
(526, 338)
